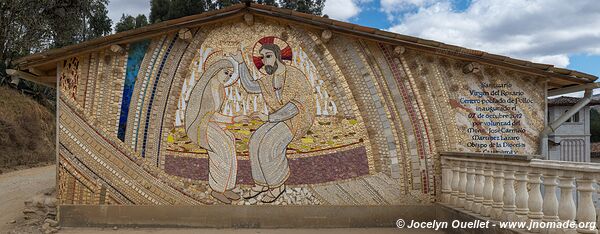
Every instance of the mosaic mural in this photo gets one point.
(271, 114)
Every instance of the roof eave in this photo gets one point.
(438, 48)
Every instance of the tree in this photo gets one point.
(74, 21)
(181, 8)
(267, 2)
(225, 3)
(100, 24)
(31, 26)
(22, 32)
(159, 10)
(127, 22)
(141, 21)
(594, 125)
(314, 7)
(65, 20)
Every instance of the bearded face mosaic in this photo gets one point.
(271, 113)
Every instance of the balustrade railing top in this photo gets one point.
(492, 156)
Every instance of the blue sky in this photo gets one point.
(545, 31)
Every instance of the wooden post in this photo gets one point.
(36, 71)
(49, 81)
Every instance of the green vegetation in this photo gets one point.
(128, 22)
(594, 125)
(31, 26)
(161, 10)
(27, 135)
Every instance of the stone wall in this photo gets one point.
(159, 123)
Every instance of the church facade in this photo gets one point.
(254, 107)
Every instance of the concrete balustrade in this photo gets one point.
(521, 188)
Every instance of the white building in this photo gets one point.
(570, 141)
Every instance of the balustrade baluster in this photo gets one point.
(566, 207)
(498, 193)
(470, 187)
(508, 211)
(455, 183)
(488, 191)
(521, 195)
(535, 201)
(479, 184)
(462, 186)
(446, 181)
(585, 209)
(550, 207)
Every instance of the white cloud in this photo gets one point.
(560, 60)
(545, 31)
(341, 9)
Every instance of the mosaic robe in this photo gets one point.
(205, 125)
(291, 114)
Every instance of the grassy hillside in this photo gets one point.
(27, 134)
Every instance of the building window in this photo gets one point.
(574, 118)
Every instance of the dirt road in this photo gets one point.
(18, 186)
